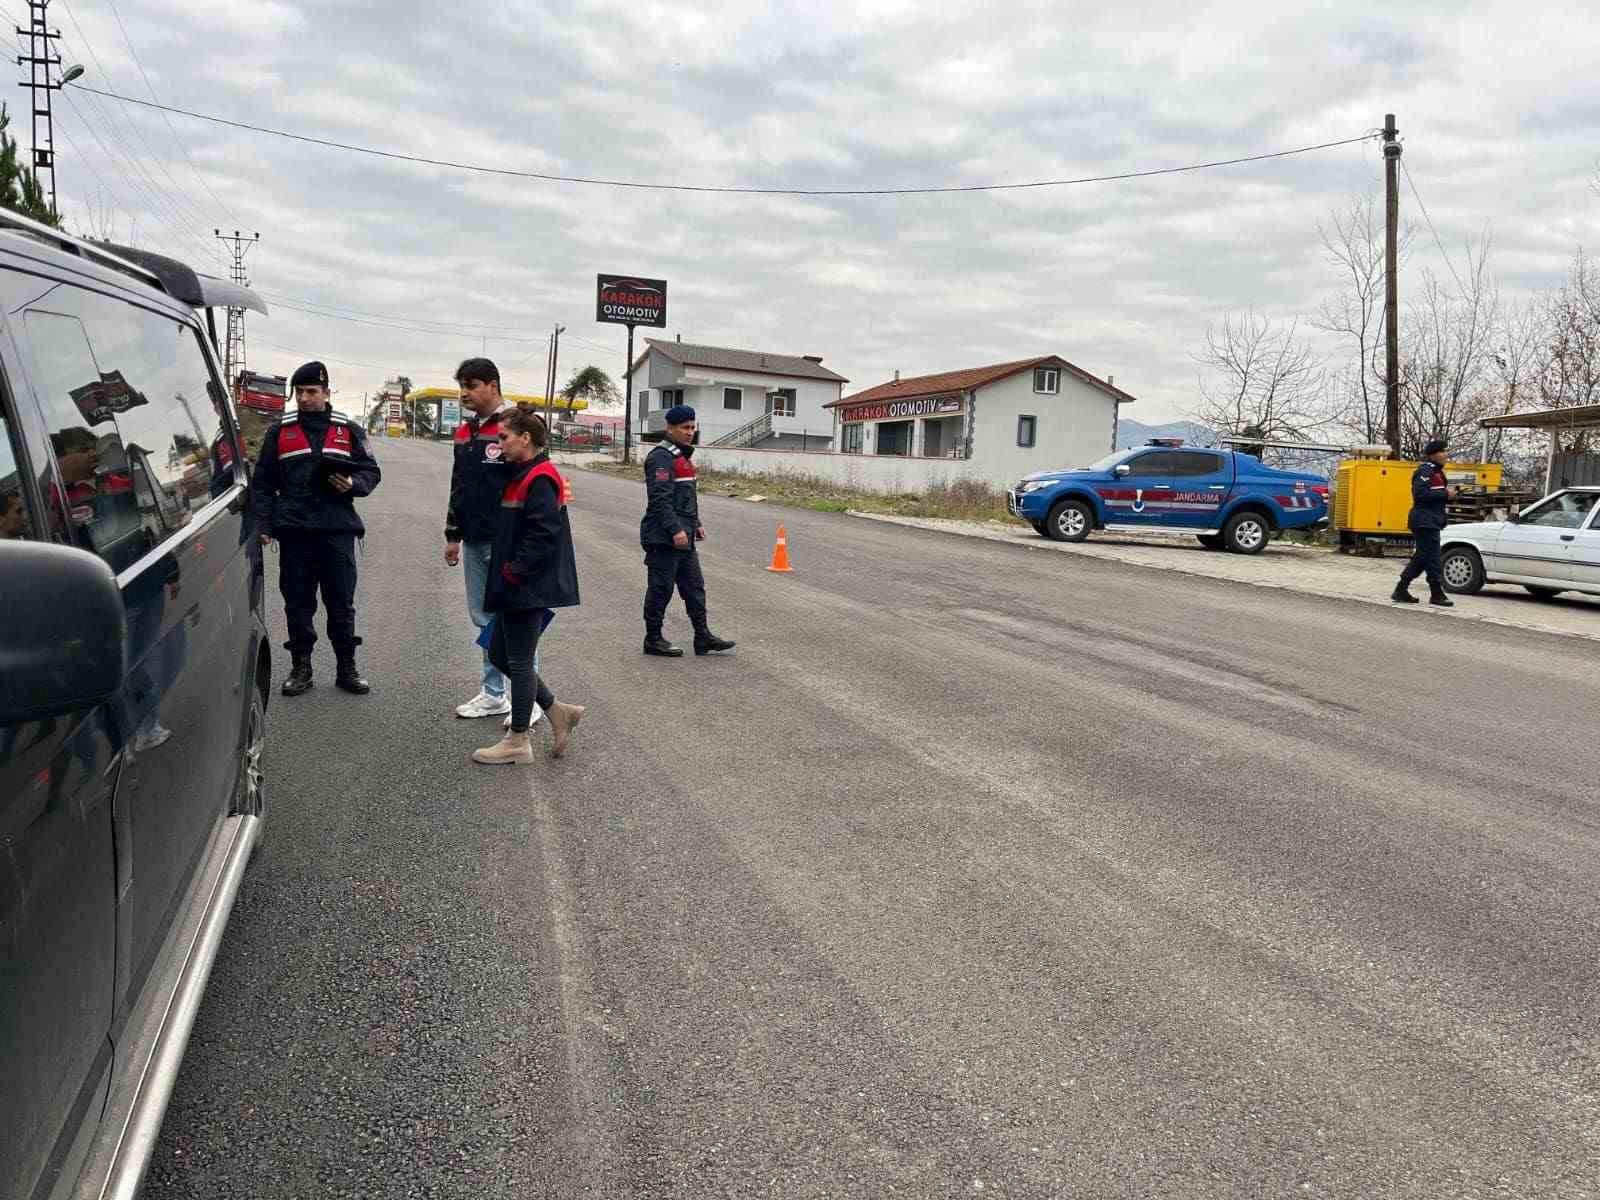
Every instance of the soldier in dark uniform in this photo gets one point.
(668, 533)
(1429, 494)
(313, 464)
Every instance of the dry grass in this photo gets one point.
(963, 500)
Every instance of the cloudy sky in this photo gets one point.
(418, 266)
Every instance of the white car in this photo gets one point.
(1551, 547)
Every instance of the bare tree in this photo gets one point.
(1260, 380)
(1446, 354)
(1516, 363)
(1571, 367)
(1353, 240)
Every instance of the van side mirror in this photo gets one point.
(62, 631)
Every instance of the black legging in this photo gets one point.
(512, 647)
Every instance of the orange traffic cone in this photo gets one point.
(780, 553)
(566, 491)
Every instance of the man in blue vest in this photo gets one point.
(1430, 492)
(313, 465)
(668, 532)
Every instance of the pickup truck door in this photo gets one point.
(1202, 483)
(1139, 494)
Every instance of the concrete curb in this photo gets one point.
(1025, 542)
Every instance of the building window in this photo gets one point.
(894, 437)
(671, 396)
(1046, 381)
(733, 398)
(644, 400)
(780, 402)
(1027, 431)
(854, 438)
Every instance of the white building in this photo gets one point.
(740, 397)
(1000, 422)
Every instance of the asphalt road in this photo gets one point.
(974, 872)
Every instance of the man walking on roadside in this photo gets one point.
(477, 478)
(668, 532)
(313, 465)
(1429, 494)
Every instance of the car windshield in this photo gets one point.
(1109, 461)
(1565, 510)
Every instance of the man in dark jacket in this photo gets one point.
(1429, 493)
(477, 478)
(313, 465)
(668, 532)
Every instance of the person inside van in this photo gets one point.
(13, 517)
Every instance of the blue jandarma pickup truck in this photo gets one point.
(1228, 498)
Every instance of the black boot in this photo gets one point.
(349, 679)
(1401, 595)
(299, 681)
(1438, 597)
(655, 644)
(706, 642)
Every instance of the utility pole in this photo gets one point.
(1391, 281)
(550, 392)
(41, 57)
(239, 246)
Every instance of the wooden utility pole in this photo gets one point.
(1391, 281)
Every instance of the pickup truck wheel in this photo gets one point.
(1462, 570)
(1246, 533)
(1542, 593)
(1040, 528)
(1211, 541)
(1069, 521)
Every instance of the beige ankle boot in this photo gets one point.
(564, 719)
(513, 748)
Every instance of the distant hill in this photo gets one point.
(1135, 433)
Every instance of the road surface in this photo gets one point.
(974, 872)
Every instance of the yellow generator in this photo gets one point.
(1372, 495)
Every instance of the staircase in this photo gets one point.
(749, 433)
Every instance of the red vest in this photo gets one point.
(293, 442)
(516, 493)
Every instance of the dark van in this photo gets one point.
(134, 676)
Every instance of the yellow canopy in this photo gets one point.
(560, 403)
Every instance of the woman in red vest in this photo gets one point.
(532, 572)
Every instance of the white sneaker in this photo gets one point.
(149, 739)
(533, 719)
(484, 705)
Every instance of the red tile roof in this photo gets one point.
(974, 377)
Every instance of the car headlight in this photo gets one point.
(1033, 485)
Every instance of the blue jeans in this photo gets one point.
(475, 565)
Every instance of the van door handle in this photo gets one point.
(1567, 537)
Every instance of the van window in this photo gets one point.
(135, 423)
(15, 521)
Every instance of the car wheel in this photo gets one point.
(1069, 521)
(1040, 528)
(250, 793)
(1542, 593)
(1462, 570)
(1211, 541)
(1246, 533)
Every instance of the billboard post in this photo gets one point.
(630, 300)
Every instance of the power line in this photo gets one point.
(742, 191)
(175, 197)
(1443, 252)
(160, 208)
(115, 12)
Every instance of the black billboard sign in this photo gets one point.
(630, 300)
